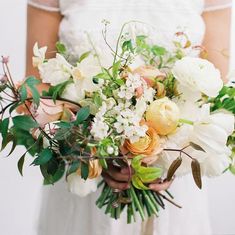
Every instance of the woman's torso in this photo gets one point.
(81, 27)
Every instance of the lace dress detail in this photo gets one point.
(48, 5)
(213, 5)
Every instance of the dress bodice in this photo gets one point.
(81, 28)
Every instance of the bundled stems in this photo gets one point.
(145, 202)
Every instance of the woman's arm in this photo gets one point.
(217, 38)
(42, 27)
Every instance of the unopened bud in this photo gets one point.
(3, 80)
(5, 59)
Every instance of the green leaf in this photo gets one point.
(43, 157)
(84, 56)
(158, 51)
(4, 125)
(32, 81)
(7, 140)
(59, 173)
(115, 69)
(84, 170)
(82, 115)
(23, 93)
(56, 91)
(14, 106)
(35, 94)
(60, 47)
(20, 164)
(73, 167)
(149, 174)
(24, 122)
(14, 144)
(127, 46)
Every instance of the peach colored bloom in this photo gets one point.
(150, 74)
(146, 145)
(48, 111)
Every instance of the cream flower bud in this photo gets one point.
(163, 115)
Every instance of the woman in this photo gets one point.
(78, 24)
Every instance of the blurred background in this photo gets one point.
(20, 196)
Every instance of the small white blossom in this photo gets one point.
(99, 129)
(110, 150)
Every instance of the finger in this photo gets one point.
(160, 187)
(127, 171)
(117, 175)
(115, 184)
(157, 181)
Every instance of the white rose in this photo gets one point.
(81, 187)
(39, 55)
(198, 75)
(56, 70)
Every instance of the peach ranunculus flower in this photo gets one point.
(48, 111)
(95, 169)
(149, 73)
(147, 145)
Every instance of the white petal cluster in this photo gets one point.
(99, 128)
(39, 55)
(56, 70)
(198, 75)
(81, 187)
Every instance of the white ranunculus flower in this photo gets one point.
(198, 75)
(56, 70)
(39, 55)
(81, 187)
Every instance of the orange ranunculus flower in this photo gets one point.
(95, 169)
(48, 111)
(149, 74)
(146, 145)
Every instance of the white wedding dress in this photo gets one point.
(63, 213)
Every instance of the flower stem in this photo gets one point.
(185, 121)
(137, 203)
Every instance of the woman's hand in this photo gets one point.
(119, 179)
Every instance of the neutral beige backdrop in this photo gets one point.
(20, 197)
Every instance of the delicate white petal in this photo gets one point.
(81, 187)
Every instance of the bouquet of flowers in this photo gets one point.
(159, 113)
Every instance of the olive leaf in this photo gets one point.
(196, 171)
(197, 147)
(173, 168)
